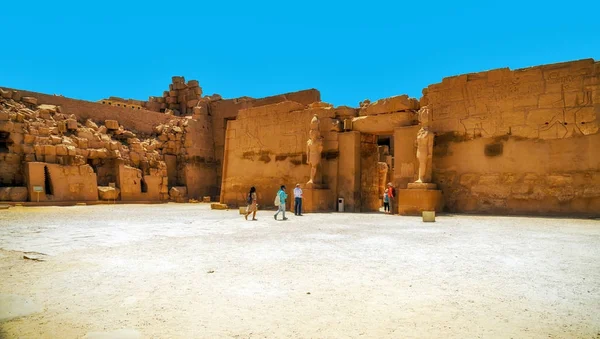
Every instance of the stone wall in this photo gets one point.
(138, 120)
(520, 142)
(266, 147)
(520, 176)
(61, 183)
(546, 102)
(369, 173)
(222, 111)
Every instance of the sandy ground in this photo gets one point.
(184, 271)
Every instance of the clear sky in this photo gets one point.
(348, 50)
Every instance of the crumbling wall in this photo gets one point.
(266, 147)
(522, 141)
(142, 121)
(61, 183)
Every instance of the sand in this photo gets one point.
(184, 271)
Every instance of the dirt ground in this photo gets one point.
(184, 271)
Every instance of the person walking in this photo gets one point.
(252, 203)
(386, 201)
(280, 198)
(391, 196)
(298, 200)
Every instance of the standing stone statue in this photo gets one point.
(314, 148)
(424, 144)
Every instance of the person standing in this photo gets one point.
(391, 196)
(252, 204)
(386, 201)
(298, 200)
(282, 197)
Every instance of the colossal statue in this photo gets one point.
(314, 148)
(424, 145)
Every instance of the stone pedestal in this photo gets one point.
(316, 199)
(419, 197)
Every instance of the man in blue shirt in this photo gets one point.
(282, 196)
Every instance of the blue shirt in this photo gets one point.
(282, 196)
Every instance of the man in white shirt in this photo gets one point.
(298, 200)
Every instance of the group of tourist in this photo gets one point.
(389, 196)
(280, 200)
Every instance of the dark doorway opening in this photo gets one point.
(4, 141)
(47, 182)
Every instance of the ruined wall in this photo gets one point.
(223, 110)
(135, 186)
(266, 147)
(142, 121)
(61, 183)
(522, 141)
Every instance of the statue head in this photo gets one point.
(424, 116)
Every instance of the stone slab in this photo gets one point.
(415, 201)
(217, 206)
(316, 200)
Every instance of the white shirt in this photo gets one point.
(297, 192)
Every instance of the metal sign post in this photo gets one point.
(38, 190)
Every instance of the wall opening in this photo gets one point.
(144, 186)
(4, 141)
(47, 182)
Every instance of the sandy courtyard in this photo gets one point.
(184, 271)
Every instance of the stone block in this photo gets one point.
(218, 206)
(5, 94)
(6, 126)
(206, 199)
(111, 124)
(49, 150)
(61, 150)
(61, 126)
(71, 124)
(108, 193)
(193, 83)
(415, 201)
(4, 116)
(18, 194)
(5, 193)
(177, 79)
(50, 108)
(91, 125)
(179, 86)
(29, 100)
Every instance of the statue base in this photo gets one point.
(421, 186)
(316, 198)
(419, 197)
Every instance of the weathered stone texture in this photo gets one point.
(545, 102)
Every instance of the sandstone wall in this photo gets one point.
(522, 141)
(223, 110)
(546, 102)
(508, 175)
(61, 183)
(266, 147)
(142, 121)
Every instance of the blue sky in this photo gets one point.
(348, 50)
